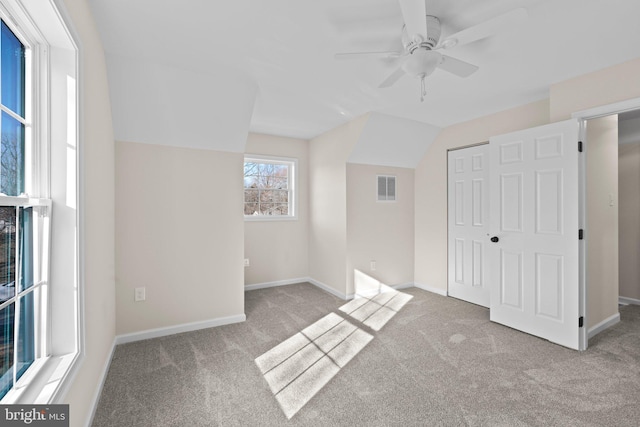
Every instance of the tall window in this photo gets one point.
(269, 187)
(24, 218)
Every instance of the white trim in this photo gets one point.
(430, 288)
(285, 282)
(176, 329)
(402, 286)
(316, 283)
(628, 301)
(605, 324)
(93, 406)
(329, 289)
(605, 110)
(583, 277)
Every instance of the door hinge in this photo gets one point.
(580, 146)
(580, 322)
(580, 234)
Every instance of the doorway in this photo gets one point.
(629, 207)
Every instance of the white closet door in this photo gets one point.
(468, 190)
(534, 259)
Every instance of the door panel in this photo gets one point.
(533, 267)
(468, 224)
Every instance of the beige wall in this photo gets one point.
(279, 250)
(629, 219)
(97, 162)
(179, 234)
(613, 84)
(431, 184)
(379, 231)
(601, 231)
(328, 155)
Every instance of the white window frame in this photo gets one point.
(292, 164)
(55, 134)
(395, 186)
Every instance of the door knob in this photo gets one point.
(495, 239)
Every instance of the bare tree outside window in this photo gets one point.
(267, 188)
(11, 162)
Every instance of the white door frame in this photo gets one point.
(583, 116)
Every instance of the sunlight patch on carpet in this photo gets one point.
(374, 303)
(299, 367)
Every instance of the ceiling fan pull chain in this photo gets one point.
(423, 89)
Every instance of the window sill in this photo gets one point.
(42, 383)
(252, 218)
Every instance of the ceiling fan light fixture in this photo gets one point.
(422, 63)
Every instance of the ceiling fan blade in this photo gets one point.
(414, 13)
(457, 67)
(485, 29)
(384, 54)
(394, 77)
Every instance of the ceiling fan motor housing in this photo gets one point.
(433, 36)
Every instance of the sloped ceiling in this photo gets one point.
(157, 104)
(392, 141)
(277, 59)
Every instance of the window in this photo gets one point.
(269, 185)
(41, 342)
(24, 217)
(386, 188)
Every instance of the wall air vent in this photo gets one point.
(386, 188)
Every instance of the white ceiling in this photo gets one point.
(286, 48)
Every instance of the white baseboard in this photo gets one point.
(329, 289)
(96, 394)
(403, 286)
(433, 289)
(276, 283)
(606, 323)
(628, 301)
(176, 329)
(318, 284)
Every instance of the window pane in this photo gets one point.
(268, 209)
(280, 196)
(12, 71)
(280, 182)
(26, 347)
(11, 156)
(26, 248)
(6, 349)
(250, 175)
(282, 209)
(7, 252)
(251, 209)
(266, 188)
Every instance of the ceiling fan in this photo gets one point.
(422, 54)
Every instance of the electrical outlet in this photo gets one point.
(373, 266)
(139, 294)
(246, 262)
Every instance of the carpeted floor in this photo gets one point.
(435, 362)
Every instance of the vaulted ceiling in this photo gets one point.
(271, 63)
